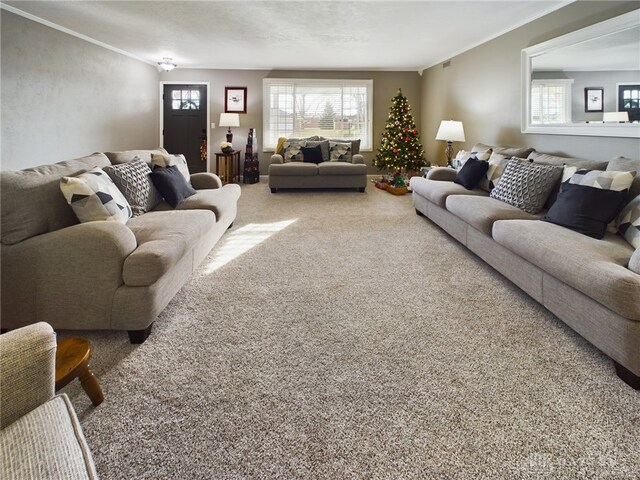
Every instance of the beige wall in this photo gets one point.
(63, 97)
(481, 88)
(385, 86)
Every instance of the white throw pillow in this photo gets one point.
(162, 160)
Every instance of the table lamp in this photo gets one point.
(229, 120)
(450, 131)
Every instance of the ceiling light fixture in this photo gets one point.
(166, 64)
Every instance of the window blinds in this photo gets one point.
(551, 101)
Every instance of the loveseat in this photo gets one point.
(338, 164)
(40, 435)
(102, 275)
(593, 285)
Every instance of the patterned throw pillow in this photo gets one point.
(160, 160)
(132, 179)
(339, 152)
(497, 164)
(462, 157)
(526, 185)
(293, 150)
(628, 222)
(609, 180)
(94, 197)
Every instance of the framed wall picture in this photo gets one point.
(594, 99)
(235, 99)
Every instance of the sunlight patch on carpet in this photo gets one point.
(243, 240)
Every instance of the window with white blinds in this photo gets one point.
(550, 101)
(328, 108)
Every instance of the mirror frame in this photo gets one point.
(616, 24)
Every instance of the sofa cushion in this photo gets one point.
(292, 150)
(339, 152)
(597, 268)
(608, 180)
(482, 212)
(471, 173)
(623, 164)
(47, 442)
(171, 184)
(526, 185)
(463, 156)
(94, 197)
(497, 164)
(585, 209)
(163, 238)
(634, 262)
(294, 169)
(312, 154)
(126, 156)
(219, 200)
(342, 168)
(437, 191)
(546, 159)
(167, 160)
(628, 222)
(324, 147)
(31, 202)
(132, 179)
(355, 144)
(520, 152)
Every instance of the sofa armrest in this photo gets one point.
(27, 370)
(357, 158)
(277, 158)
(442, 173)
(634, 263)
(205, 181)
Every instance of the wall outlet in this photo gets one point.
(213, 125)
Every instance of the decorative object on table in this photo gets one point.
(226, 147)
(450, 131)
(203, 148)
(594, 99)
(229, 120)
(251, 172)
(400, 148)
(615, 117)
(395, 184)
(235, 100)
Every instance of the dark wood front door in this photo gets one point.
(629, 101)
(185, 123)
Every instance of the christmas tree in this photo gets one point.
(400, 149)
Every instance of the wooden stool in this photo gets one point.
(72, 360)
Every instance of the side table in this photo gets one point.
(228, 166)
(72, 361)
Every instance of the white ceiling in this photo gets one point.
(318, 35)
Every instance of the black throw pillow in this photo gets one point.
(587, 210)
(171, 184)
(312, 154)
(472, 173)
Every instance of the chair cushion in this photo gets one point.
(341, 168)
(217, 200)
(597, 268)
(293, 169)
(437, 191)
(163, 238)
(46, 443)
(482, 212)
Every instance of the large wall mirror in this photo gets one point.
(586, 82)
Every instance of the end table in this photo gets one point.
(228, 166)
(72, 361)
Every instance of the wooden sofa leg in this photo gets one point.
(627, 376)
(274, 190)
(137, 337)
(419, 213)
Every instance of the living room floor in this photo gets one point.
(336, 334)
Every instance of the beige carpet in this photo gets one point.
(336, 334)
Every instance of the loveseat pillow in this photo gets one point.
(312, 154)
(471, 173)
(497, 164)
(168, 160)
(628, 222)
(132, 179)
(324, 147)
(171, 185)
(292, 150)
(339, 152)
(526, 185)
(585, 209)
(94, 197)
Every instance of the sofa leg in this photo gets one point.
(274, 190)
(137, 337)
(419, 213)
(362, 189)
(627, 376)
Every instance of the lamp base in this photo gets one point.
(229, 136)
(449, 153)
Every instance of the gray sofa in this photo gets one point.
(40, 436)
(101, 275)
(592, 285)
(328, 174)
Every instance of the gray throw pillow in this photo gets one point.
(132, 179)
(526, 185)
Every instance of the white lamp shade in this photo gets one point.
(451, 131)
(229, 120)
(615, 117)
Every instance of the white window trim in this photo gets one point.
(567, 82)
(266, 103)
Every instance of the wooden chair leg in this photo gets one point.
(90, 385)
